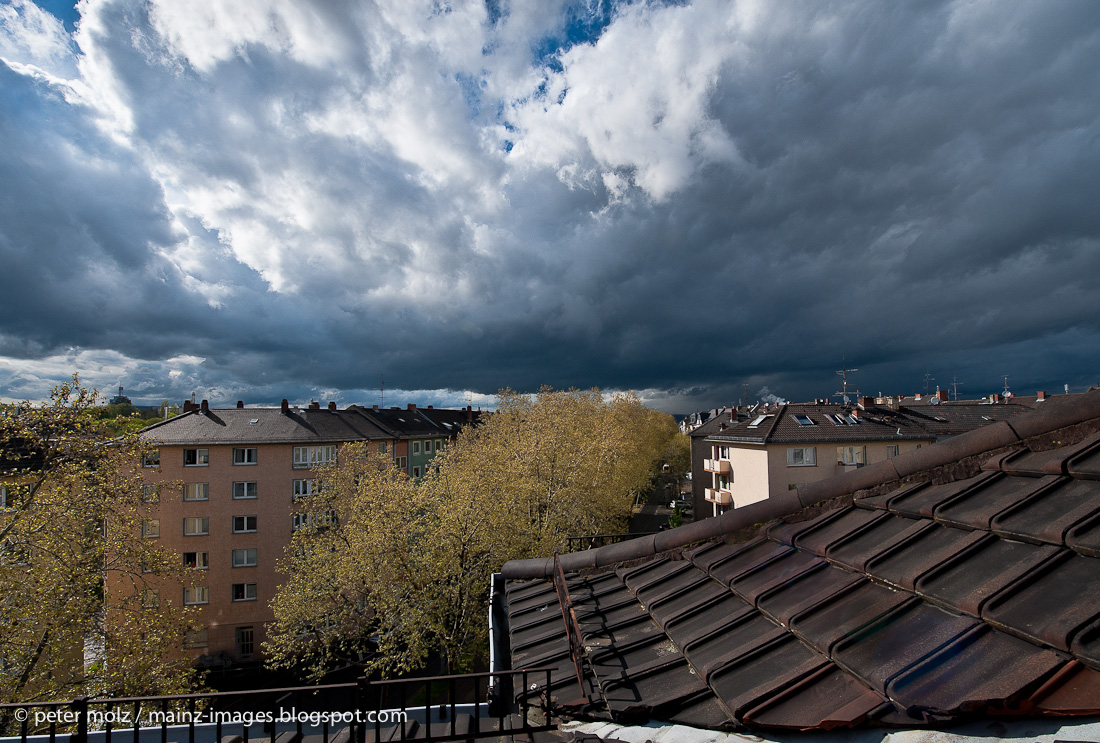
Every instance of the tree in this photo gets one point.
(70, 530)
(401, 567)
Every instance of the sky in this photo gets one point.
(400, 201)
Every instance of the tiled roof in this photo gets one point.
(264, 425)
(815, 423)
(951, 418)
(917, 604)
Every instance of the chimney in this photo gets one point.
(942, 395)
(995, 397)
(469, 413)
(188, 406)
(916, 396)
(867, 402)
(431, 407)
(332, 405)
(284, 407)
(374, 407)
(205, 406)
(314, 405)
(412, 406)
(240, 404)
(1040, 395)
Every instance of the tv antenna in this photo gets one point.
(844, 371)
(928, 379)
(955, 387)
(382, 392)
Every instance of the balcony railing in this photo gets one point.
(721, 497)
(717, 466)
(421, 709)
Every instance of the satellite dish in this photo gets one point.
(935, 400)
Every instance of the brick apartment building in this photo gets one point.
(238, 479)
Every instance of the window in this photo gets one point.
(802, 457)
(245, 642)
(402, 463)
(13, 553)
(195, 526)
(722, 482)
(804, 420)
(319, 520)
(151, 458)
(244, 558)
(150, 528)
(243, 490)
(304, 488)
(196, 595)
(428, 447)
(150, 493)
(312, 456)
(244, 591)
(244, 524)
(244, 456)
(196, 639)
(891, 451)
(849, 455)
(196, 457)
(416, 448)
(416, 471)
(382, 448)
(197, 560)
(6, 501)
(196, 491)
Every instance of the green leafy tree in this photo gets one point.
(78, 614)
(402, 567)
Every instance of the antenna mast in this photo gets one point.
(928, 379)
(382, 392)
(843, 372)
(955, 386)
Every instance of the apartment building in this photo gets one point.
(778, 448)
(231, 487)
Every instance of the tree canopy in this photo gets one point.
(71, 514)
(389, 568)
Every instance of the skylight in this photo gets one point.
(804, 420)
(758, 420)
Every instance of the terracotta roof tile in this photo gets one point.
(931, 603)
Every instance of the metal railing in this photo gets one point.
(341, 713)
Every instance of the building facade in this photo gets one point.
(230, 487)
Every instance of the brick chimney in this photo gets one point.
(240, 404)
(469, 413)
(332, 405)
(1040, 395)
(284, 407)
(314, 405)
(205, 406)
(412, 406)
(942, 395)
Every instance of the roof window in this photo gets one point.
(758, 420)
(804, 420)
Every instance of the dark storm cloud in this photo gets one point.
(687, 199)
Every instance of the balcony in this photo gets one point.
(717, 466)
(720, 497)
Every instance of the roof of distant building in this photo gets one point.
(265, 425)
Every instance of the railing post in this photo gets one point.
(80, 708)
(362, 689)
